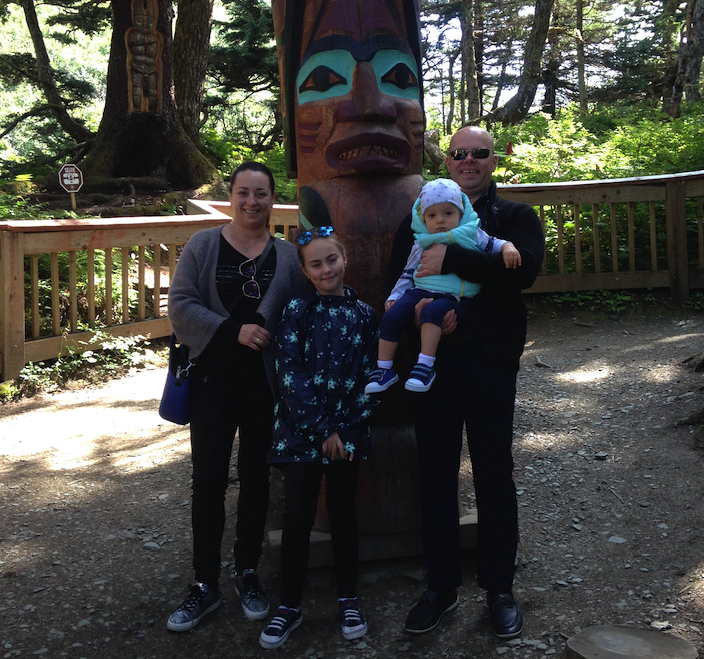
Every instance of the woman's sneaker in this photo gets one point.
(199, 603)
(353, 623)
(285, 620)
(421, 378)
(380, 380)
(255, 603)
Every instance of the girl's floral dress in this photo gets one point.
(326, 347)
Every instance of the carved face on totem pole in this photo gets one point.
(353, 121)
(352, 87)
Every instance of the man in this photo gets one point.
(476, 386)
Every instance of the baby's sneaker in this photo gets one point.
(421, 379)
(380, 380)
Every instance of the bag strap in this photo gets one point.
(181, 373)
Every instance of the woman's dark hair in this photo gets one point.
(253, 166)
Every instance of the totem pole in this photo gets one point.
(144, 45)
(353, 122)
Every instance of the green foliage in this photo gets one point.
(17, 207)
(695, 301)
(116, 356)
(603, 301)
(227, 156)
(612, 142)
(78, 45)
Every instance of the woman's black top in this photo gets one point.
(225, 356)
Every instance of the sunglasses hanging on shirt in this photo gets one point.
(248, 268)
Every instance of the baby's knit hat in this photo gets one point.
(440, 191)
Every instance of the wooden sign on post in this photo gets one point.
(71, 180)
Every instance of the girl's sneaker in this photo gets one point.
(276, 633)
(353, 623)
(421, 379)
(380, 380)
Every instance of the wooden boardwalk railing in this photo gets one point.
(626, 233)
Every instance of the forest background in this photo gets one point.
(571, 89)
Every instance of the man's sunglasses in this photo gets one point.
(250, 288)
(315, 232)
(477, 154)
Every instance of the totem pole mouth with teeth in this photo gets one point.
(353, 122)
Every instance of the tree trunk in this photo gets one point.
(690, 59)
(695, 41)
(504, 58)
(550, 84)
(581, 76)
(518, 106)
(46, 77)
(140, 133)
(479, 51)
(469, 62)
(669, 50)
(191, 51)
(451, 102)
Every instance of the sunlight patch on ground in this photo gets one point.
(584, 376)
(120, 430)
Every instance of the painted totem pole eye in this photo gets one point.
(401, 76)
(321, 79)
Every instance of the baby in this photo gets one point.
(441, 214)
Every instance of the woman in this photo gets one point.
(225, 301)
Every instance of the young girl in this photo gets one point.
(326, 348)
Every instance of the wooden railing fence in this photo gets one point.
(626, 233)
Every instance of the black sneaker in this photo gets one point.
(282, 624)
(199, 603)
(505, 616)
(353, 623)
(428, 610)
(255, 603)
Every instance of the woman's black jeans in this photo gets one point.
(302, 488)
(219, 407)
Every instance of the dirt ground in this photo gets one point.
(95, 531)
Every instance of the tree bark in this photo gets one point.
(518, 106)
(504, 58)
(451, 102)
(690, 59)
(46, 77)
(669, 49)
(695, 42)
(581, 75)
(143, 139)
(191, 50)
(469, 62)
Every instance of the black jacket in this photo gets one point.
(498, 313)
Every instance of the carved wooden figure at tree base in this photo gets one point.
(353, 117)
(144, 45)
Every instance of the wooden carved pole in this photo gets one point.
(354, 122)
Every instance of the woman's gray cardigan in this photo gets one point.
(195, 308)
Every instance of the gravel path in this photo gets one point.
(95, 535)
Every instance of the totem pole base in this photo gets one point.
(372, 546)
(388, 506)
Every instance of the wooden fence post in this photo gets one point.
(677, 239)
(11, 304)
